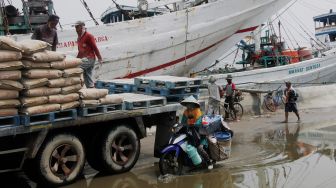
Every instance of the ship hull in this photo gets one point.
(176, 43)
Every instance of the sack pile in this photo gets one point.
(51, 81)
(92, 97)
(10, 75)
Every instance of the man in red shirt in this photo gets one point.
(87, 50)
(229, 90)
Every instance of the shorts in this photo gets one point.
(291, 107)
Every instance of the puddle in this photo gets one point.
(289, 156)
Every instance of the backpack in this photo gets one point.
(296, 95)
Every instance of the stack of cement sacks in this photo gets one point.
(10, 75)
(51, 80)
(92, 97)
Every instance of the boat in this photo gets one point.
(278, 64)
(189, 37)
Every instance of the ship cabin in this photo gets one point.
(325, 28)
(125, 13)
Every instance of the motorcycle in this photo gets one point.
(180, 151)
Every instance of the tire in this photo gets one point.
(119, 150)
(60, 160)
(170, 164)
(239, 110)
(269, 104)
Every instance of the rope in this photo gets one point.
(220, 59)
(89, 11)
(289, 37)
(292, 36)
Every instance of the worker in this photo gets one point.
(214, 97)
(47, 32)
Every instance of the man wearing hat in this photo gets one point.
(87, 51)
(290, 105)
(229, 90)
(192, 116)
(47, 32)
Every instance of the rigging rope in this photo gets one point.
(220, 59)
(89, 11)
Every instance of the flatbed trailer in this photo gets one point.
(55, 153)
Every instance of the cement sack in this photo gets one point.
(89, 103)
(10, 75)
(6, 55)
(64, 82)
(41, 109)
(71, 89)
(42, 73)
(70, 105)
(46, 56)
(33, 101)
(11, 65)
(72, 72)
(9, 103)
(8, 94)
(8, 112)
(92, 93)
(60, 99)
(34, 83)
(11, 85)
(7, 43)
(68, 62)
(41, 91)
(111, 99)
(33, 65)
(32, 46)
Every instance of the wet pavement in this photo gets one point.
(265, 153)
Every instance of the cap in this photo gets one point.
(212, 79)
(79, 23)
(53, 17)
(229, 77)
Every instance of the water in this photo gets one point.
(292, 155)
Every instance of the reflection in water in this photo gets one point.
(286, 157)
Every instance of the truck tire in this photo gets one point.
(120, 149)
(60, 160)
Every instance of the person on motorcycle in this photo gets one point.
(192, 116)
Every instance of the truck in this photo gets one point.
(55, 152)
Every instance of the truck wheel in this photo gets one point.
(120, 149)
(60, 160)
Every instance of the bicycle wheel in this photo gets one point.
(269, 104)
(238, 109)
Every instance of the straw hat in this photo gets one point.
(190, 100)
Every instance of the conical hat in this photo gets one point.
(190, 99)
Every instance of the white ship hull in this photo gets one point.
(174, 43)
(309, 72)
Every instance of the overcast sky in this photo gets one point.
(301, 13)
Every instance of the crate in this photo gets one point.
(134, 101)
(175, 91)
(167, 82)
(178, 98)
(117, 85)
(9, 121)
(37, 119)
(98, 110)
(70, 114)
(91, 111)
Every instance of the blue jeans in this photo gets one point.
(87, 66)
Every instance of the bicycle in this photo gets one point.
(274, 99)
(237, 107)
